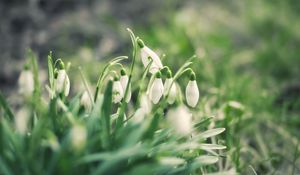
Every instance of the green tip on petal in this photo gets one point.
(26, 67)
(55, 73)
(140, 43)
(192, 76)
(123, 72)
(158, 74)
(61, 65)
(169, 73)
(116, 78)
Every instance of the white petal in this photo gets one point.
(118, 92)
(156, 64)
(172, 91)
(67, 86)
(156, 90)
(192, 93)
(154, 56)
(167, 85)
(153, 68)
(78, 136)
(181, 120)
(26, 82)
(139, 115)
(21, 120)
(146, 103)
(85, 101)
(124, 80)
(173, 94)
(63, 82)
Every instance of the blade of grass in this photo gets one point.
(5, 107)
(50, 70)
(105, 117)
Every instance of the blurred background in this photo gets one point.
(248, 51)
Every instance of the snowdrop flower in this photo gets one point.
(118, 92)
(26, 82)
(21, 120)
(170, 88)
(192, 91)
(147, 54)
(85, 101)
(124, 81)
(157, 88)
(78, 136)
(146, 103)
(180, 120)
(144, 110)
(139, 115)
(62, 80)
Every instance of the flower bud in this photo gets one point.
(192, 91)
(21, 120)
(124, 81)
(146, 103)
(26, 82)
(118, 92)
(62, 81)
(86, 102)
(139, 115)
(170, 88)
(180, 120)
(78, 137)
(157, 89)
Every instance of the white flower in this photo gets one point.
(118, 92)
(124, 82)
(147, 54)
(157, 89)
(139, 115)
(78, 136)
(26, 82)
(192, 92)
(21, 120)
(63, 82)
(172, 90)
(85, 101)
(180, 120)
(146, 103)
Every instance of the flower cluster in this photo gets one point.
(127, 117)
(167, 91)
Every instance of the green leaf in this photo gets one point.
(4, 168)
(206, 159)
(35, 70)
(5, 107)
(50, 70)
(105, 115)
(210, 133)
(153, 125)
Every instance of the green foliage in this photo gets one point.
(58, 135)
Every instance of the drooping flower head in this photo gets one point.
(86, 102)
(117, 90)
(62, 80)
(180, 120)
(147, 55)
(124, 81)
(78, 136)
(170, 88)
(157, 88)
(26, 82)
(192, 91)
